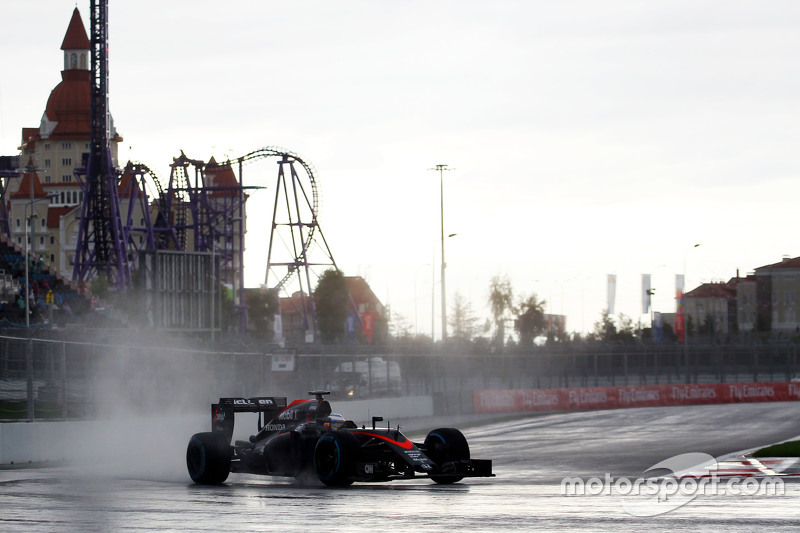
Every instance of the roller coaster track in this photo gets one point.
(158, 234)
(142, 169)
(313, 202)
(169, 231)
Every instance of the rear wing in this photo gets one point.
(223, 413)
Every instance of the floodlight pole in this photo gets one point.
(685, 315)
(441, 168)
(28, 239)
(30, 405)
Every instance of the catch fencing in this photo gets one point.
(60, 379)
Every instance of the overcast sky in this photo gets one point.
(586, 138)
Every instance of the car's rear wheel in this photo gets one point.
(445, 447)
(334, 458)
(208, 458)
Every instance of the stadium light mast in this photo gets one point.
(441, 168)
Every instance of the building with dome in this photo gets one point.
(51, 152)
(200, 213)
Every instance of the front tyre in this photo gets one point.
(208, 458)
(334, 458)
(446, 447)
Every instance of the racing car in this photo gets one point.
(306, 439)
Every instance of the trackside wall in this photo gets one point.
(362, 411)
(88, 440)
(29, 442)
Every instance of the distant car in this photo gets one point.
(305, 439)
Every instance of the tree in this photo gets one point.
(707, 326)
(669, 333)
(331, 300)
(262, 305)
(530, 321)
(462, 319)
(691, 328)
(399, 328)
(627, 330)
(605, 329)
(500, 301)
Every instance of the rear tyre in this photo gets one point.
(208, 458)
(334, 458)
(446, 446)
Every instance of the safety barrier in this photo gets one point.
(90, 441)
(55, 378)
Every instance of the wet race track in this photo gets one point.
(131, 490)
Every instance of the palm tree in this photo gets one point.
(530, 321)
(500, 301)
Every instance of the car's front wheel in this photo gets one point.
(334, 458)
(446, 447)
(208, 458)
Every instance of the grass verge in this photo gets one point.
(43, 410)
(784, 449)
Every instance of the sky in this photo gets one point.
(584, 138)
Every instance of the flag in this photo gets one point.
(368, 326)
(645, 293)
(612, 292)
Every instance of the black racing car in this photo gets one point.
(305, 437)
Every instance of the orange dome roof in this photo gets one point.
(70, 105)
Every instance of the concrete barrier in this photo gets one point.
(20, 443)
(133, 441)
(36, 442)
(362, 411)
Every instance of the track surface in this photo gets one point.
(131, 490)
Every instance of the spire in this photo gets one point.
(76, 45)
(25, 184)
(76, 38)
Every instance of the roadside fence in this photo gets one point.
(62, 379)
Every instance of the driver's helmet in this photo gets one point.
(337, 420)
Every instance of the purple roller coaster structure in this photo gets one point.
(128, 212)
(101, 247)
(199, 211)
